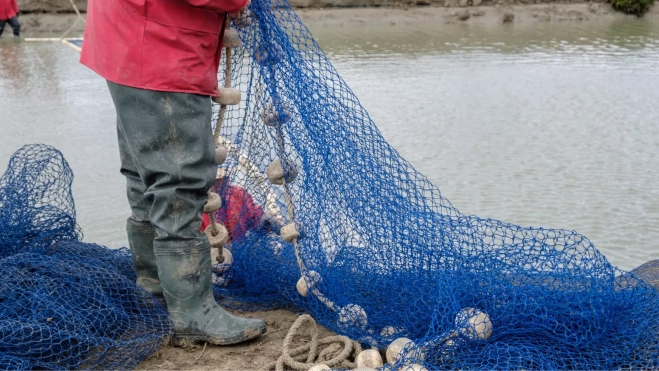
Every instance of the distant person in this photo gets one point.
(9, 14)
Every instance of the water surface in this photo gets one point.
(552, 125)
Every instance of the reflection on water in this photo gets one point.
(549, 125)
(465, 39)
(47, 97)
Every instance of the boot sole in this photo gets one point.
(187, 340)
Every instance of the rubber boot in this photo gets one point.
(185, 276)
(140, 240)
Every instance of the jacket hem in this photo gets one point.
(146, 87)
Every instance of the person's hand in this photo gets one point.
(241, 11)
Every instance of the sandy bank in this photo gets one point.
(491, 14)
(53, 24)
(247, 356)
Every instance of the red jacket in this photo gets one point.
(8, 9)
(239, 213)
(162, 45)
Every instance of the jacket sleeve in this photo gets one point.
(220, 6)
(13, 5)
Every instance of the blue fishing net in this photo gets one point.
(64, 304)
(384, 255)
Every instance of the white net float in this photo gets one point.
(213, 203)
(231, 39)
(219, 238)
(309, 283)
(271, 116)
(413, 367)
(395, 348)
(289, 232)
(353, 315)
(228, 96)
(221, 154)
(227, 257)
(473, 324)
(302, 287)
(369, 358)
(275, 172)
(320, 367)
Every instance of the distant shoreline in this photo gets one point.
(38, 24)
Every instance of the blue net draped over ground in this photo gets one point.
(386, 253)
(64, 304)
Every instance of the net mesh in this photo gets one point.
(384, 254)
(64, 304)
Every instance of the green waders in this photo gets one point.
(168, 159)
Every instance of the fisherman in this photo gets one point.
(9, 14)
(160, 59)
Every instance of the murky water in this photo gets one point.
(553, 125)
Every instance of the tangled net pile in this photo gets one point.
(64, 304)
(384, 255)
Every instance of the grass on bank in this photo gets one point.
(635, 7)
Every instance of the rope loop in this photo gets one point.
(337, 350)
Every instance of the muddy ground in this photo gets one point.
(53, 25)
(249, 356)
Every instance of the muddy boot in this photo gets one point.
(185, 276)
(140, 240)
